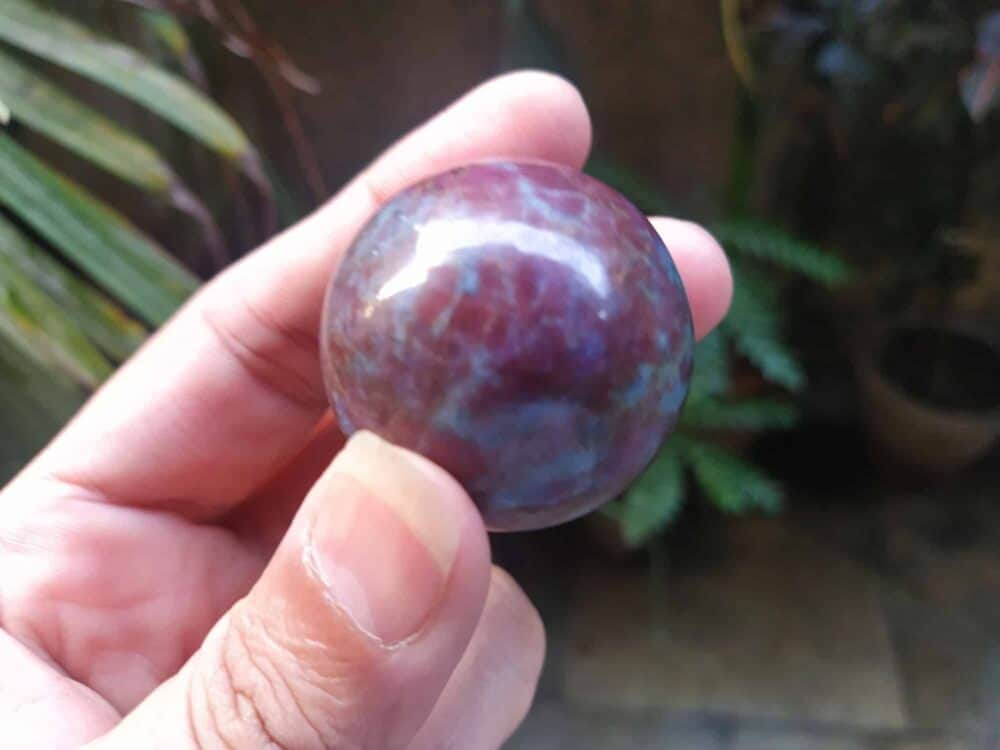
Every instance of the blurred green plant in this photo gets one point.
(764, 258)
(80, 284)
(896, 104)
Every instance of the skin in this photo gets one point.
(184, 566)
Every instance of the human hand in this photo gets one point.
(183, 567)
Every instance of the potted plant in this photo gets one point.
(895, 110)
(746, 378)
(931, 395)
(746, 375)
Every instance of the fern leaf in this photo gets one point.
(754, 324)
(770, 243)
(730, 483)
(711, 366)
(751, 414)
(654, 500)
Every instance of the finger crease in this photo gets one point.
(244, 701)
(303, 340)
(292, 695)
(269, 371)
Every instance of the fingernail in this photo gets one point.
(385, 539)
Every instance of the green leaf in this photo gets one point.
(51, 111)
(168, 30)
(711, 366)
(101, 320)
(754, 324)
(98, 239)
(751, 414)
(173, 38)
(52, 36)
(654, 500)
(31, 319)
(730, 483)
(768, 242)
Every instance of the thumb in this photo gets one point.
(353, 630)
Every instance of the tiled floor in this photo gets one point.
(868, 625)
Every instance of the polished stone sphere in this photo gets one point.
(518, 323)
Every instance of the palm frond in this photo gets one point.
(60, 40)
(45, 107)
(34, 401)
(104, 322)
(32, 321)
(73, 270)
(173, 38)
(103, 243)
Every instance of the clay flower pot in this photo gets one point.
(912, 429)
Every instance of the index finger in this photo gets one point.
(229, 391)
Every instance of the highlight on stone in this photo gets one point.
(522, 325)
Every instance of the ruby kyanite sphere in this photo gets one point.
(520, 324)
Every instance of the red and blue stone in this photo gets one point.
(520, 324)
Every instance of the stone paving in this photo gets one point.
(872, 624)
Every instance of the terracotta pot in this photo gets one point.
(913, 436)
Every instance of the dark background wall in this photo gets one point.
(654, 74)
